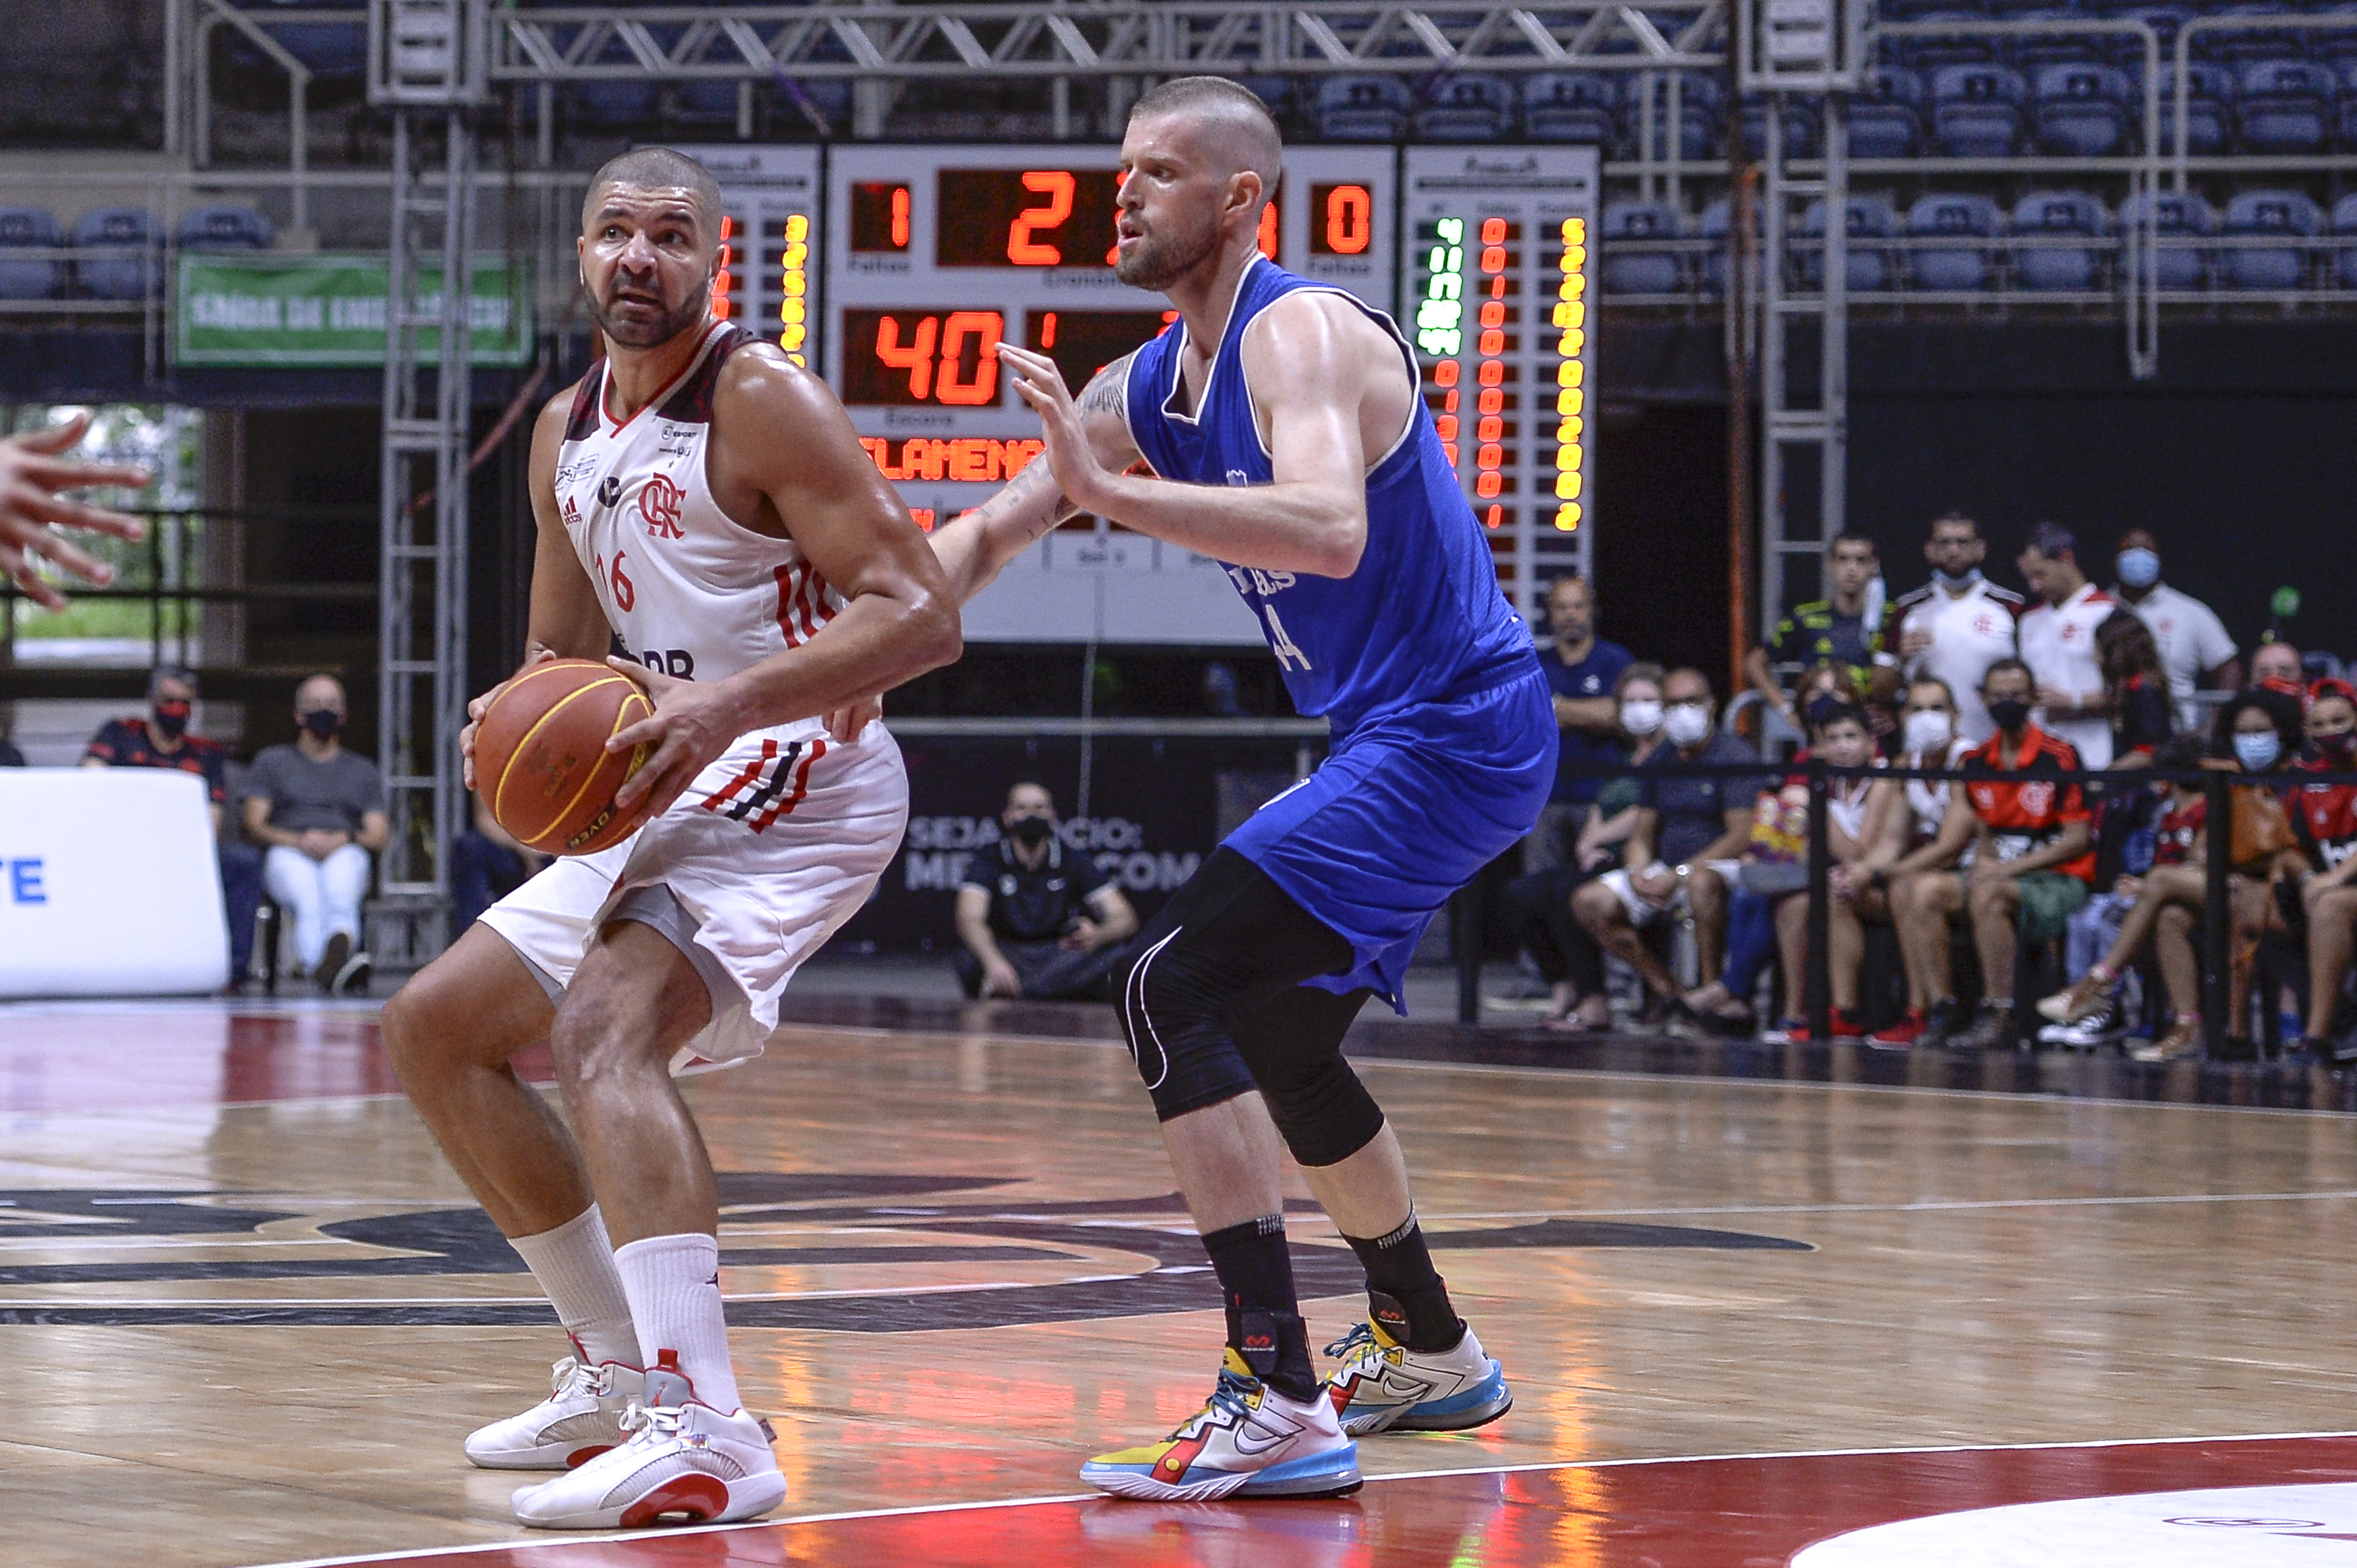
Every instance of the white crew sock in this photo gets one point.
(575, 1264)
(673, 1283)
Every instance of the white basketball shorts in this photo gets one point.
(764, 858)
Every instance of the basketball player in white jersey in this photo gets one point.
(705, 503)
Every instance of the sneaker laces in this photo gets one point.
(653, 1423)
(1357, 1344)
(1231, 1396)
(571, 1375)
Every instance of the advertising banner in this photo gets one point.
(264, 308)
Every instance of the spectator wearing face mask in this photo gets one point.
(2196, 654)
(1903, 822)
(1684, 850)
(2057, 644)
(162, 739)
(1583, 669)
(1958, 624)
(1537, 906)
(2324, 815)
(319, 809)
(2275, 667)
(1038, 920)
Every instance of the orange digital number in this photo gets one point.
(899, 217)
(986, 325)
(722, 279)
(1057, 186)
(1350, 220)
(916, 358)
(1268, 231)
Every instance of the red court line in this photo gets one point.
(1742, 1513)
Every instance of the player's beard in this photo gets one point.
(1167, 253)
(640, 334)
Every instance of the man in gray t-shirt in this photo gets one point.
(318, 811)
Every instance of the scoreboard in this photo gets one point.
(897, 271)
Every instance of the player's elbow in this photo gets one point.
(1338, 548)
(935, 635)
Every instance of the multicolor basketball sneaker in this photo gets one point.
(1248, 1441)
(685, 1462)
(1383, 1386)
(580, 1419)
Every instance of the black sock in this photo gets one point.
(1405, 1292)
(1264, 1323)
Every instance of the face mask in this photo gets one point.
(2336, 747)
(2138, 568)
(1030, 832)
(323, 722)
(2257, 749)
(1953, 581)
(1687, 723)
(1641, 717)
(1929, 732)
(2010, 714)
(171, 718)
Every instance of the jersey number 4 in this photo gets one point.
(1279, 642)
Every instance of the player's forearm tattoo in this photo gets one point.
(1108, 392)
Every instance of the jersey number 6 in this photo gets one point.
(626, 594)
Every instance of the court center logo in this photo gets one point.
(857, 1254)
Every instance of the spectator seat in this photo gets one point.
(2274, 225)
(2051, 215)
(1716, 226)
(328, 49)
(1950, 268)
(135, 270)
(2335, 44)
(1803, 138)
(2238, 46)
(1886, 118)
(2082, 110)
(2165, 18)
(2179, 218)
(1870, 218)
(2027, 51)
(2344, 228)
(2283, 106)
(1571, 106)
(1643, 272)
(29, 276)
(1930, 51)
(1699, 98)
(1363, 108)
(1467, 109)
(2208, 107)
(1977, 110)
(1276, 91)
(224, 228)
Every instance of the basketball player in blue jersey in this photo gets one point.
(1286, 438)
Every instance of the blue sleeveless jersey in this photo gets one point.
(1444, 732)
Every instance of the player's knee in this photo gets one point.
(424, 1024)
(1175, 1017)
(1324, 1112)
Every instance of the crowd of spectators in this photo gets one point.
(2017, 902)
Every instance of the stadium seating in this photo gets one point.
(1571, 106)
(2178, 218)
(1886, 118)
(612, 105)
(2052, 214)
(1978, 110)
(2208, 107)
(2163, 17)
(2082, 110)
(1467, 109)
(2335, 44)
(33, 229)
(1715, 224)
(1871, 218)
(2283, 106)
(1643, 272)
(2344, 227)
(224, 228)
(2027, 51)
(135, 270)
(1932, 51)
(1363, 108)
(1802, 136)
(328, 49)
(2235, 46)
(1699, 96)
(1952, 267)
(2287, 217)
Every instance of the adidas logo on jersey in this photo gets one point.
(572, 513)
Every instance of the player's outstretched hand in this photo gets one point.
(693, 724)
(482, 705)
(1069, 458)
(33, 469)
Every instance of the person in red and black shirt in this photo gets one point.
(2033, 858)
(162, 739)
(2325, 817)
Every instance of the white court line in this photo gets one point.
(530, 1543)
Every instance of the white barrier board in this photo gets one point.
(108, 883)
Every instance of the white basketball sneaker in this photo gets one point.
(1248, 1441)
(684, 1463)
(580, 1419)
(1383, 1386)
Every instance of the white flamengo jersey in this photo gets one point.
(782, 838)
(689, 590)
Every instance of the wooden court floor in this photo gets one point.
(248, 1313)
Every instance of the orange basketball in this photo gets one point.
(541, 761)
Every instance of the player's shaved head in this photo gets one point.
(656, 169)
(1227, 123)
